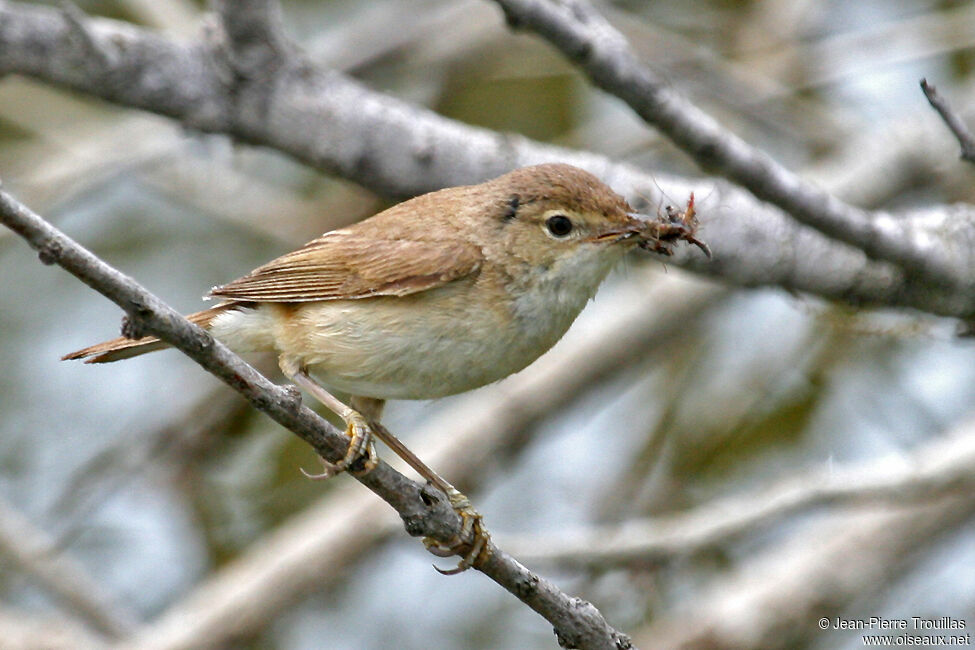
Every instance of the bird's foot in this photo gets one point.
(473, 543)
(362, 450)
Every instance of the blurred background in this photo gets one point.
(155, 490)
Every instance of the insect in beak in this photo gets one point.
(661, 233)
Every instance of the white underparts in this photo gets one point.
(244, 330)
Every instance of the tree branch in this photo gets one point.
(588, 39)
(256, 44)
(20, 630)
(425, 512)
(942, 468)
(772, 599)
(333, 123)
(952, 120)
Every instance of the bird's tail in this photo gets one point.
(123, 348)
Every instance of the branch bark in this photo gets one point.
(335, 124)
(425, 512)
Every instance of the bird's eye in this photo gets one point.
(559, 225)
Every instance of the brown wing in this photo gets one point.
(347, 264)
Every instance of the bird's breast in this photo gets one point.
(426, 345)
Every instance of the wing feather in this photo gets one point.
(349, 264)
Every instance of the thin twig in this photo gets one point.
(23, 630)
(940, 469)
(772, 599)
(952, 119)
(424, 513)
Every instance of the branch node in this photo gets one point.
(574, 639)
(80, 32)
(256, 45)
(434, 501)
(511, 19)
(424, 148)
(203, 340)
(132, 327)
(292, 397)
(527, 586)
(50, 252)
(965, 329)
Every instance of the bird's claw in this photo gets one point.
(473, 542)
(361, 447)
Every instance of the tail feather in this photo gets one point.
(123, 348)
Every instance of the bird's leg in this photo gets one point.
(370, 407)
(357, 428)
(362, 420)
(473, 542)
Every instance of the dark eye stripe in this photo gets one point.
(512, 210)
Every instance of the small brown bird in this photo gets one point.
(437, 295)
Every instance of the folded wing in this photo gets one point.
(344, 264)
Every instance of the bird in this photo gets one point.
(437, 295)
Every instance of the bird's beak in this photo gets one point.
(633, 226)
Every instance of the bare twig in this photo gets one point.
(32, 551)
(940, 469)
(836, 55)
(424, 512)
(586, 38)
(771, 600)
(952, 119)
(20, 630)
(332, 122)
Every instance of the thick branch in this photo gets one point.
(332, 122)
(424, 512)
(586, 38)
